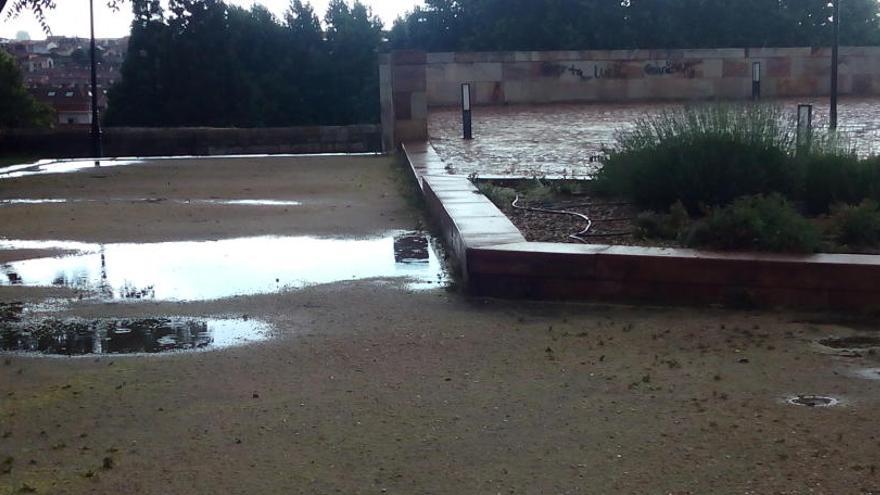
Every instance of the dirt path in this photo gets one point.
(368, 388)
(350, 197)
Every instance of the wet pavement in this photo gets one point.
(209, 270)
(567, 140)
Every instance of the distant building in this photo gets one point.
(57, 71)
(72, 105)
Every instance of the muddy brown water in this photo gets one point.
(568, 139)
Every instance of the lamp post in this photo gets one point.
(835, 53)
(96, 124)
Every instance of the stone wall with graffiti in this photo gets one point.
(582, 76)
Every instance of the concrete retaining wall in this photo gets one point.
(633, 75)
(75, 143)
(414, 81)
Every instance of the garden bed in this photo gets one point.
(560, 211)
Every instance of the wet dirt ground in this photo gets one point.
(369, 387)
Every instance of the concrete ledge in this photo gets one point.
(423, 159)
(496, 260)
(466, 218)
(563, 271)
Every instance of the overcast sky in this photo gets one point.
(71, 18)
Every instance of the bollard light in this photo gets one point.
(804, 126)
(756, 80)
(466, 114)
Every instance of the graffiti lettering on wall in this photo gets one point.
(613, 71)
(688, 68)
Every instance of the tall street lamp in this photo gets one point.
(835, 54)
(96, 124)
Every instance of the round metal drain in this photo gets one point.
(813, 401)
(856, 342)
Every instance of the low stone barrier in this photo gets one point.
(195, 141)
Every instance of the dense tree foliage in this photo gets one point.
(448, 25)
(203, 62)
(17, 107)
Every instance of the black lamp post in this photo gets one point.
(96, 124)
(835, 54)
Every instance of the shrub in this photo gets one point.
(706, 155)
(857, 226)
(831, 178)
(666, 226)
(503, 197)
(761, 223)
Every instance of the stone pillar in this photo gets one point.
(405, 100)
(386, 101)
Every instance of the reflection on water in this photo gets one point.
(75, 337)
(566, 139)
(43, 167)
(227, 202)
(205, 270)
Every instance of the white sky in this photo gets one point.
(71, 17)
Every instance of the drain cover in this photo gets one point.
(813, 401)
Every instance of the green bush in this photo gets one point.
(830, 178)
(759, 223)
(857, 226)
(706, 155)
(665, 226)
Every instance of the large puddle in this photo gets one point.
(567, 139)
(222, 202)
(207, 270)
(44, 167)
(78, 337)
(69, 165)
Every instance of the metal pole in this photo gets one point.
(466, 114)
(835, 54)
(97, 152)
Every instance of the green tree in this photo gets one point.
(353, 37)
(443, 25)
(17, 107)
